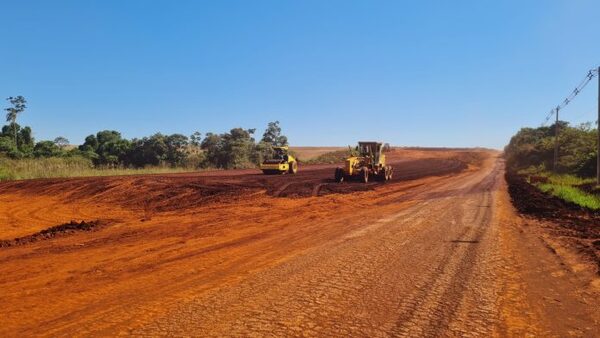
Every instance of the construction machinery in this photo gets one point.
(281, 162)
(366, 162)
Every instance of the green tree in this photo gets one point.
(263, 150)
(147, 151)
(534, 147)
(212, 144)
(113, 152)
(25, 140)
(530, 147)
(577, 149)
(195, 139)
(107, 147)
(18, 106)
(177, 149)
(236, 149)
(108, 136)
(46, 149)
(158, 149)
(7, 146)
(61, 142)
(273, 136)
(239, 148)
(90, 144)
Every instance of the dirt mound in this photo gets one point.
(580, 225)
(52, 232)
(164, 193)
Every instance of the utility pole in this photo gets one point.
(598, 153)
(555, 165)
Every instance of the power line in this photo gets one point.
(589, 76)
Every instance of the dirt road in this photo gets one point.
(438, 252)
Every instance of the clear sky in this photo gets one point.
(425, 73)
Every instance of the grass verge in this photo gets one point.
(569, 189)
(55, 167)
(571, 194)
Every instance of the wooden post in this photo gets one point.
(598, 153)
(555, 164)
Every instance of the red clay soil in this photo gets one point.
(216, 254)
(172, 238)
(160, 193)
(119, 198)
(580, 225)
(52, 232)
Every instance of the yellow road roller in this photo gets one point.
(281, 162)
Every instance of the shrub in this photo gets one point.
(534, 147)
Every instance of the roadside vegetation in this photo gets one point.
(107, 152)
(531, 153)
(11, 169)
(337, 156)
(570, 188)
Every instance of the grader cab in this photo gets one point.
(368, 162)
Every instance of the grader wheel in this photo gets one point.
(382, 175)
(339, 175)
(364, 174)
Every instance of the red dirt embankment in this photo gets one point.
(161, 193)
(578, 227)
(59, 201)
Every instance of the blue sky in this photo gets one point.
(424, 73)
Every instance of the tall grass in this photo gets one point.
(571, 194)
(566, 187)
(562, 179)
(565, 179)
(13, 169)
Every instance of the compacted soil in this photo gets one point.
(438, 251)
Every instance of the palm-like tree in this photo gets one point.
(18, 106)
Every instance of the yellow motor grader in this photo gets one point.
(281, 162)
(367, 162)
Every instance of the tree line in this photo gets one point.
(108, 148)
(533, 148)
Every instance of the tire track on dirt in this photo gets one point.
(307, 294)
(429, 310)
(331, 283)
